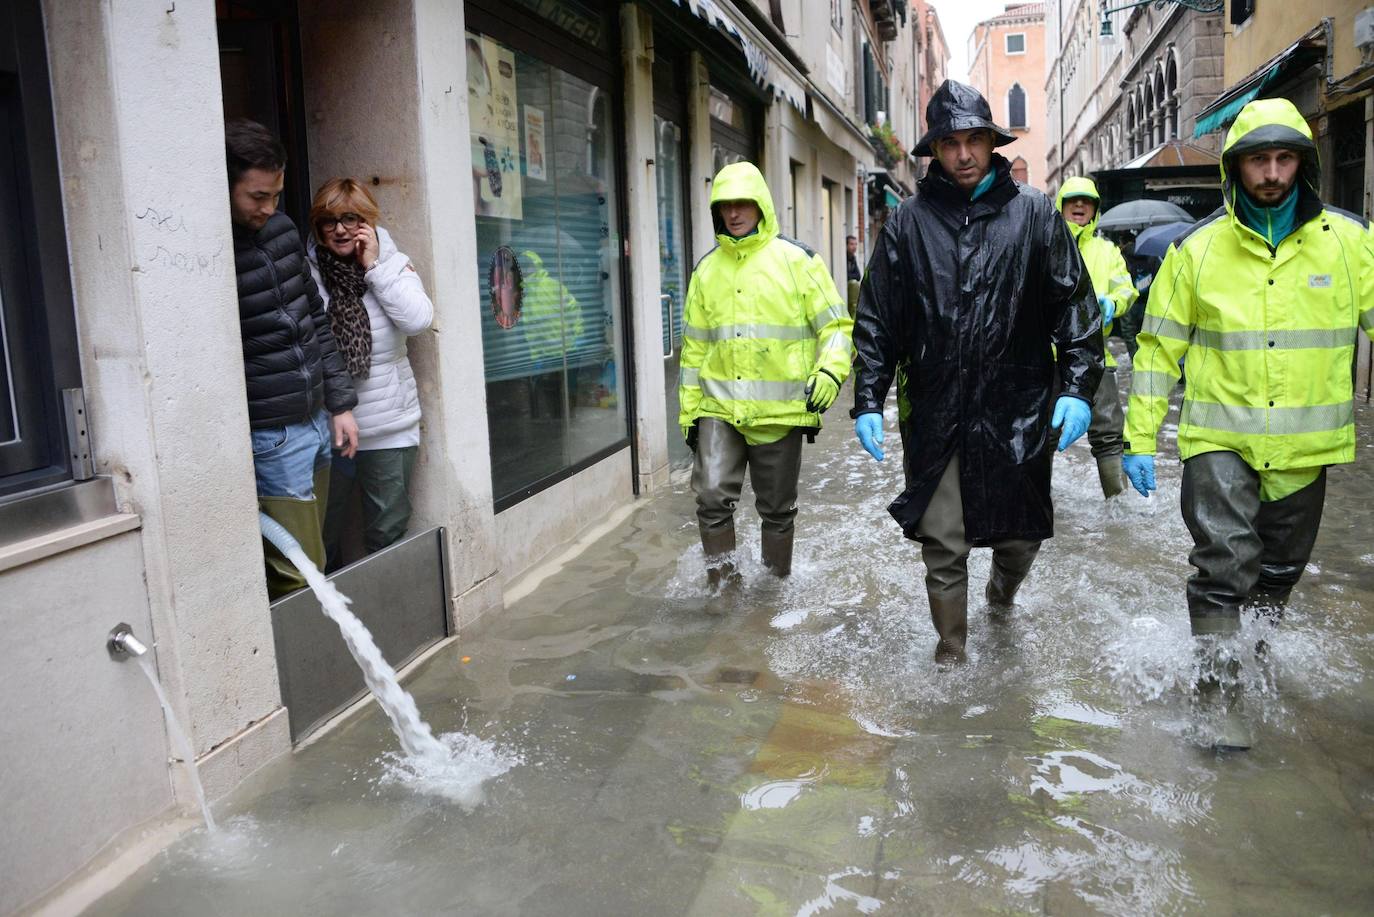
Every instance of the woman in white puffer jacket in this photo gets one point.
(375, 300)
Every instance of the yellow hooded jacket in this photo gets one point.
(762, 314)
(1106, 266)
(1268, 333)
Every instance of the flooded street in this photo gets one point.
(803, 755)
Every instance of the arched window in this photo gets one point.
(1019, 170)
(1016, 106)
(1132, 126)
(1160, 114)
(1171, 93)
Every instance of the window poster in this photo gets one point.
(534, 143)
(495, 128)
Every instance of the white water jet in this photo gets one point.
(455, 767)
(180, 741)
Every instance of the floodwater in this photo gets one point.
(802, 754)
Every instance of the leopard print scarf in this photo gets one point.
(348, 319)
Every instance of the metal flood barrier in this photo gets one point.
(400, 593)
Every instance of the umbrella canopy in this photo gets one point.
(1154, 241)
(1142, 213)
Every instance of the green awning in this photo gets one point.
(1216, 116)
(890, 199)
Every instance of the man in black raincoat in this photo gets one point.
(972, 281)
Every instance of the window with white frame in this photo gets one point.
(1016, 43)
(837, 14)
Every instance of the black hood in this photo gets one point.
(957, 107)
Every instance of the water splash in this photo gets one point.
(181, 743)
(454, 768)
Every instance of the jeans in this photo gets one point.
(285, 458)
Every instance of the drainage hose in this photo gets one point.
(276, 533)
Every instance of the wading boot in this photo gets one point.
(949, 612)
(722, 578)
(1218, 691)
(301, 519)
(1001, 592)
(1109, 475)
(777, 552)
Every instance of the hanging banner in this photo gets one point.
(534, 143)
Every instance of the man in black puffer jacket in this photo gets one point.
(300, 396)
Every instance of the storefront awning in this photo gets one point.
(781, 84)
(1224, 109)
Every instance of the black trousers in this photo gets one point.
(1247, 552)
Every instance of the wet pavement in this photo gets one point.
(803, 755)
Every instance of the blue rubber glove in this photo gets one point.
(1108, 310)
(869, 429)
(1140, 469)
(1072, 414)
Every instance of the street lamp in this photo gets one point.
(1201, 6)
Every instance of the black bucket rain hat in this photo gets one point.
(957, 107)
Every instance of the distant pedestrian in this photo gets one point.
(1266, 298)
(1077, 201)
(766, 347)
(972, 282)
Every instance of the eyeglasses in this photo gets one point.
(349, 220)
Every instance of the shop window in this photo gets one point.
(547, 238)
(1016, 106)
(1016, 43)
(39, 360)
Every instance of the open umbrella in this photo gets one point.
(1154, 241)
(1142, 213)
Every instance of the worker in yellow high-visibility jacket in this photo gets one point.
(766, 347)
(1265, 299)
(1078, 202)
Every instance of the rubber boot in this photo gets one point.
(949, 612)
(301, 519)
(1109, 475)
(1009, 571)
(777, 552)
(722, 577)
(1219, 691)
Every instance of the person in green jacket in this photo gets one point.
(766, 347)
(1077, 201)
(1266, 298)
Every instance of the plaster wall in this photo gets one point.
(534, 529)
(1274, 27)
(80, 730)
(140, 137)
(386, 103)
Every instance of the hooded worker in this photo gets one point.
(1265, 299)
(976, 302)
(766, 347)
(1078, 201)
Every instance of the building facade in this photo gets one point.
(574, 139)
(1118, 95)
(1007, 65)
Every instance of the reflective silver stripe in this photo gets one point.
(1166, 327)
(753, 331)
(1281, 339)
(690, 375)
(752, 390)
(1367, 319)
(1317, 418)
(1152, 384)
(825, 317)
(836, 343)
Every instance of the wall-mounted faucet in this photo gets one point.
(122, 644)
